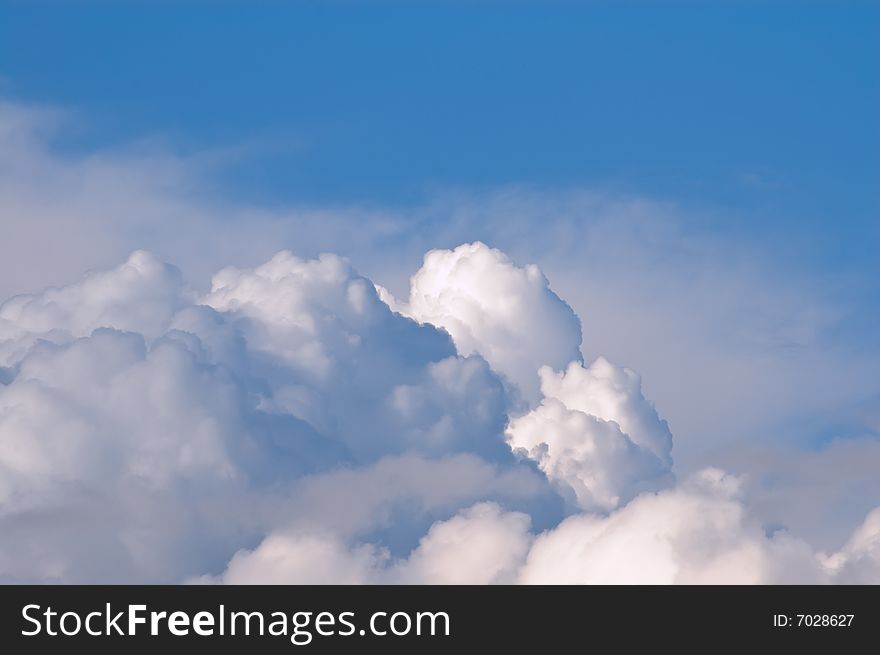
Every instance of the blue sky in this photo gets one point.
(768, 107)
(698, 179)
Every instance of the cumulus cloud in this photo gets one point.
(481, 545)
(506, 313)
(303, 559)
(729, 335)
(150, 438)
(596, 435)
(611, 393)
(323, 339)
(700, 532)
(141, 295)
(319, 315)
(591, 458)
(126, 393)
(296, 424)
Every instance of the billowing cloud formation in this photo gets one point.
(480, 545)
(116, 457)
(303, 559)
(290, 426)
(596, 435)
(323, 340)
(730, 337)
(125, 396)
(697, 533)
(140, 296)
(491, 306)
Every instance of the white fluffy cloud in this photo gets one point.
(590, 458)
(303, 559)
(481, 545)
(108, 443)
(323, 340)
(507, 314)
(611, 393)
(596, 435)
(730, 337)
(126, 394)
(151, 434)
(316, 315)
(140, 296)
(698, 533)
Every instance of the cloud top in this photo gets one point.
(506, 313)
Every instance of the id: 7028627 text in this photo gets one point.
(813, 620)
